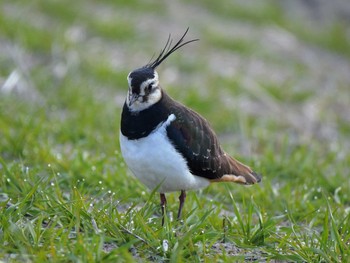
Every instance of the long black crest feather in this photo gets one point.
(168, 50)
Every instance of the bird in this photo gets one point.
(168, 146)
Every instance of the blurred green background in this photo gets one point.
(273, 79)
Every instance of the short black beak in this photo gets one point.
(133, 98)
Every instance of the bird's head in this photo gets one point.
(144, 89)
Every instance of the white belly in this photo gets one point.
(155, 162)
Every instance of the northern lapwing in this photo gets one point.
(168, 146)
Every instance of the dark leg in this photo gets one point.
(182, 199)
(162, 205)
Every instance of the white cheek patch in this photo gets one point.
(145, 84)
(129, 80)
(154, 82)
(140, 105)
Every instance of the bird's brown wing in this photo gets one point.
(193, 137)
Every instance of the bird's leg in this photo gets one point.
(182, 199)
(162, 205)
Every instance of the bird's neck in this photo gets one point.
(136, 125)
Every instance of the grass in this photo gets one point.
(65, 192)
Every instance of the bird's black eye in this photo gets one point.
(149, 87)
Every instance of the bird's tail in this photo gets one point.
(239, 173)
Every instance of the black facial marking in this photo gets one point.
(138, 76)
(148, 89)
(145, 98)
(135, 89)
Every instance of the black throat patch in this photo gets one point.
(138, 125)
